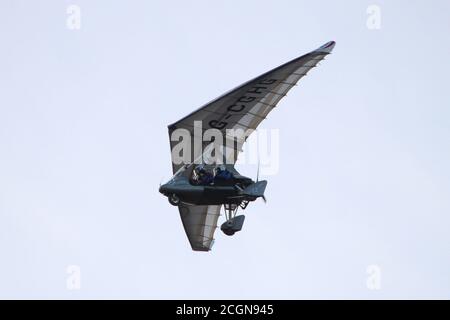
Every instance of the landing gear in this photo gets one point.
(234, 223)
(230, 210)
(174, 200)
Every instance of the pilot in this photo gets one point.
(203, 176)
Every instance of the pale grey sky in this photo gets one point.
(365, 149)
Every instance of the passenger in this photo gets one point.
(222, 174)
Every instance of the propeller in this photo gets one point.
(257, 172)
(257, 179)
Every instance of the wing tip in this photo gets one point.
(327, 47)
(199, 247)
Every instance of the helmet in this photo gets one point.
(218, 169)
(200, 169)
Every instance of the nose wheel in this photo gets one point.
(234, 223)
(174, 200)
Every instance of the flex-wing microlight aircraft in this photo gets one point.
(204, 182)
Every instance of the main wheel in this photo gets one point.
(227, 228)
(174, 200)
(228, 232)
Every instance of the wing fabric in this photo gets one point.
(200, 223)
(244, 107)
